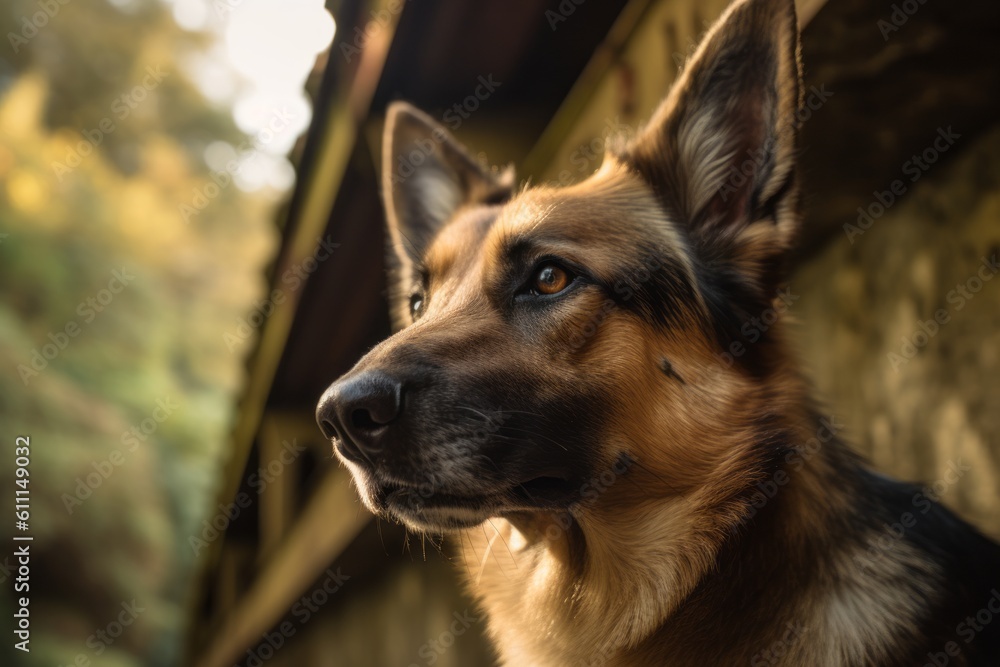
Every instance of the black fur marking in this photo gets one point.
(668, 370)
(657, 290)
(497, 197)
(770, 207)
(732, 305)
(905, 513)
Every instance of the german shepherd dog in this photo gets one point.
(558, 392)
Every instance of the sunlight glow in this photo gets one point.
(258, 65)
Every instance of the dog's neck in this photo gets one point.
(591, 585)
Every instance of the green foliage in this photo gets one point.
(111, 229)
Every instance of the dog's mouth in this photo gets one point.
(439, 510)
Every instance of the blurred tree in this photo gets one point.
(113, 311)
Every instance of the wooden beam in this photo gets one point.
(348, 110)
(627, 77)
(281, 473)
(330, 522)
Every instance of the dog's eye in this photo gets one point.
(416, 305)
(550, 279)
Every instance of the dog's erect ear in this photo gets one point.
(721, 148)
(426, 177)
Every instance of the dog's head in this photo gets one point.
(552, 340)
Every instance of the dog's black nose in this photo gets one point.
(358, 410)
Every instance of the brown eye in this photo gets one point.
(551, 279)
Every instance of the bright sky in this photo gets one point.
(262, 54)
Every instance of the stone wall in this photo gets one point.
(920, 395)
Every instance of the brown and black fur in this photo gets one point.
(602, 460)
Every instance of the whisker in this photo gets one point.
(439, 546)
(509, 552)
(492, 463)
(472, 548)
(474, 411)
(533, 434)
(522, 412)
(462, 553)
(406, 544)
(527, 493)
(381, 538)
(486, 556)
(666, 485)
(412, 246)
